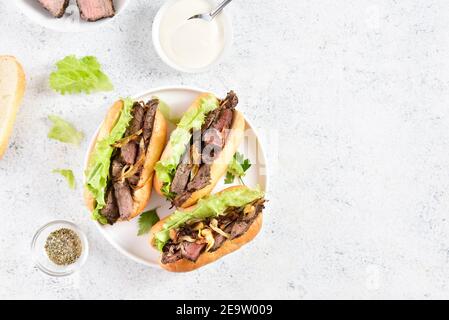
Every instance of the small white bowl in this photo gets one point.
(228, 34)
(40, 257)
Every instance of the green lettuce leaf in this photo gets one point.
(209, 207)
(237, 168)
(97, 174)
(180, 137)
(68, 175)
(147, 220)
(79, 75)
(63, 131)
(166, 111)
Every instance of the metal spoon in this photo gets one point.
(213, 14)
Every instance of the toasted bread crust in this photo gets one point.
(205, 258)
(220, 165)
(155, 147)
(19, 91)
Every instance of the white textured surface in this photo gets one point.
(358, 90)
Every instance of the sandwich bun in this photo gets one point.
(12, 89)
(140, 196)
(220, 164)
(229, 246)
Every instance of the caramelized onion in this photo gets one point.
(209, 238)
(133, 169)
(120, 143)
(214, 226)
(250, 208)
(195, 156)
(173, 235)
(187, 238)
(140, 186)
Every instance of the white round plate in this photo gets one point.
(123, 235)
(70, 22)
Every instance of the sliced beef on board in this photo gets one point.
(55, 7)
(93, 10)
(122, 191)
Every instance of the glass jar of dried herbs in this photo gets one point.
(63, 246)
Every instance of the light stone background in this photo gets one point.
(355, 90)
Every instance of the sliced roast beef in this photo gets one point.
(168, 257)
(218, 242)
(110, 210)
(136, 123)
(146, 124)
(210, 118)
(230, 102)
(252, 215)
(224, 121)
(149, 120)
(182, 174)
(239, 228)
(181, 198)
(201, 179)
(128, 152)
(214, 137)
(93, 10)
(242, 224)
(210, 153)
(55, 7)
(122, 191)
(191, 250)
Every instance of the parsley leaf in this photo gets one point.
(63, 131)
(147, 220)
(237, 168)
(79, 75)
(68, 175)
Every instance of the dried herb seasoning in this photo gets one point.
(63, 246)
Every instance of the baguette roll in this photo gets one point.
(12, 90)
(220, 164)
(142, 194)
(206, 257)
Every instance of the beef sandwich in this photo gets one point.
(218, 225)
(200, 149)
(121, 163)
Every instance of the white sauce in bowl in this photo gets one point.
(191, 44)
